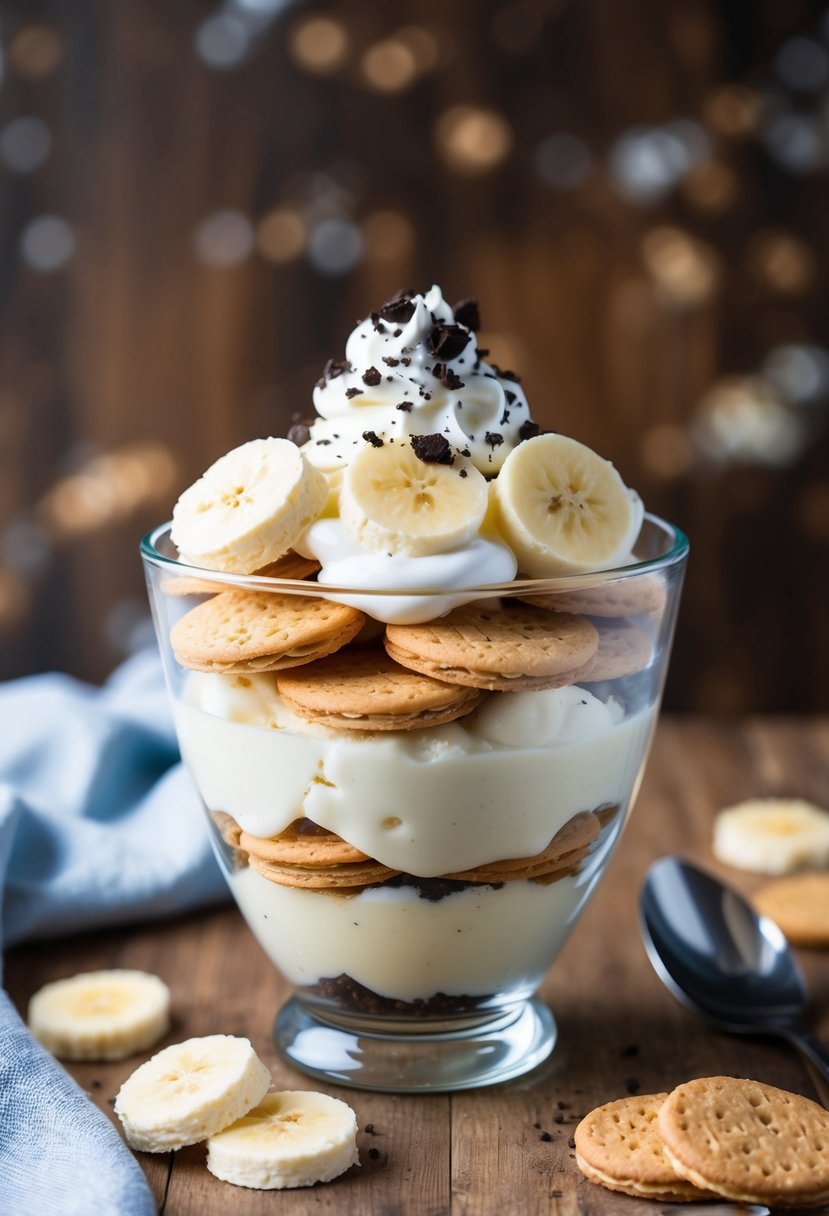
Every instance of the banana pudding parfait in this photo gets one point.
(415, 652)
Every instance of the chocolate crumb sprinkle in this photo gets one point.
(371, 377)
(505, 374)
(546, 1137)
(494, 439)
(299, 433)
(463, 472)
(433, 449)
(467, 313)
(353, 392)
(335, 368)
(369, 1129)
(404, 405)
(447, 377)
(400, 308)
(447, 341)
(528, 430)
(374, 1153)
(373, 438)
(390, 361)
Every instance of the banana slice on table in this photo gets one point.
(563, 509)
(290, 1139)
(100, 1015)
(249, 507)
(772, 835)
(190, 1091)
(392, 501)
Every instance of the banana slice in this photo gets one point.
(249, 507)
(563, 509)
(772, 835)
(190, 1091)
(290, 1139)
(393, 502)
(101, 1015)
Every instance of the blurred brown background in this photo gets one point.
(199, 200)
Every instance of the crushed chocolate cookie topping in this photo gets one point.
(399, 308)
(528, 430)
(405, 361)
(466, 313)
(377, 323)
(404, 405)
(447, 341)
(510, 396)
(396, 333)
(299, 433)
(335, 367)
(373, 438)
(447, 377)
(433, 449)
(322, 443)
(463, 472)
(390, 361)
(506, 374)
(371, 377)
(504, 418)
(494, 438)
(353, 392)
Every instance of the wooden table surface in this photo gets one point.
(507, 1148)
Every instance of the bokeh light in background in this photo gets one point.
(203, 197)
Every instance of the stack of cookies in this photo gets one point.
(331, 669)
(712, 1138)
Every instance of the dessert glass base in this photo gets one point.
(447, 1056)
(414, 881)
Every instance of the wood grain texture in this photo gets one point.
(506, 1148)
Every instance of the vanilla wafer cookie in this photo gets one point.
(567, 848)
(618, 1146)
(644, 593)
(289, 566)
(323, 878)
(799, 905)
(250, 631)
(302, 844)
(748, 1141)
(623, 650)
(366, 690)
(505, 647)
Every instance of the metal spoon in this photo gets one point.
(718, 957)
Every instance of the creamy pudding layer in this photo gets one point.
(427, 802)
(474, 942)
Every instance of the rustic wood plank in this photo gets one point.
(490, 1151)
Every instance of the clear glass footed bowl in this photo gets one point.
(414, 885)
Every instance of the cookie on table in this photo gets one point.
(252, 631)
(565, 851)
(799, 905)
(618, 1146)
(504, 647)
(289, 565)
(748, 1141)
(628, 597)
(365, 690)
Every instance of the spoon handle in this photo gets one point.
(812, 1049)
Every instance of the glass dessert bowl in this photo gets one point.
(412, 850)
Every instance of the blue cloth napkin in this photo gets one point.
(99, 825)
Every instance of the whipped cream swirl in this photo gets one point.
(414, 368)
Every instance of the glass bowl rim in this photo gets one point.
(674, 555)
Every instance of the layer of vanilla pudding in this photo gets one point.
(497, 784)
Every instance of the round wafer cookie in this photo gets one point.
(567, 848)
(622, 651)
(366, 690)
(618, 1146)
(249, 631)
(301, 845)
(627, 597)
(799, 904)
(289, 565)
(506, 648)
(748, 1141)
(322, 878)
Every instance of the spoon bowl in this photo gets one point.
(720, 958)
